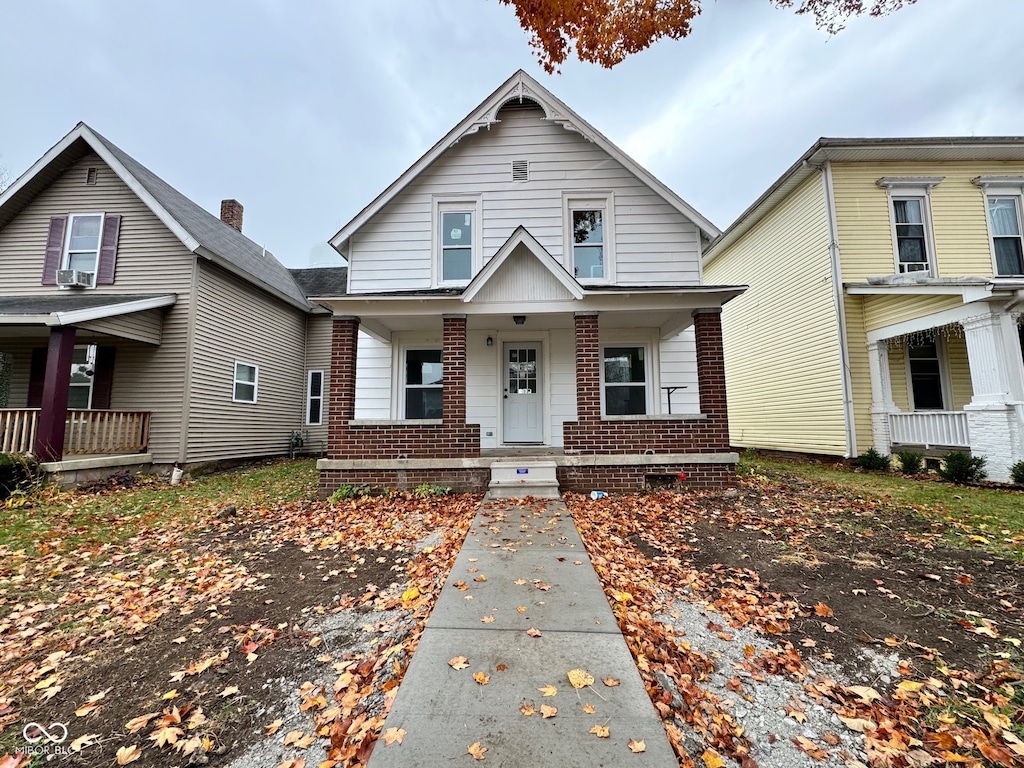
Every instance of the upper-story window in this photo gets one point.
(1003, 198)
(83, 247)
(588, 240)
(246, 383)
(457, 241)
(910, 216)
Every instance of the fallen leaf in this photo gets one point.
(533, 632)
(528, 708)
(476, 750)
(273, 728)
(393, 736)
(546, 711)
(481, 678)
(580, 678)
(637, 746)
(823, 610)
(180, 640)
(127, 755)
(487, 620)
(231, 690)
(601, 731)
(621, 597)
(459, 662)
(521, 608)
(136, 724)
(611, 682)
(712, 759)
(548, 690)
(589, 709)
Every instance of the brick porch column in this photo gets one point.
(707, 325)
(588, 367)
(453, 359)
(49, 444)
(342, 398)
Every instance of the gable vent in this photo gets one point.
(520, 170)
(90, 176)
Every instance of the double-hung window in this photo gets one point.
(423, 383)
(457, 243)
(315, 398)
(1003, 204)
(83, 244)
(624, 380)
(246, 383)
(83, 374)
(589, 239)
(910, 216)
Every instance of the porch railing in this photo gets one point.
(86, 432)
(106, 432)
(18, 429)
(928, 428)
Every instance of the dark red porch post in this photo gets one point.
(707, 326)
(588, 367)
(53, 415)
(453, 359)
(342, 397)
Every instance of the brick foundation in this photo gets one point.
(630, 479)
(415, 441)
(461, 480)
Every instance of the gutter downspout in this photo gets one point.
(840, 308)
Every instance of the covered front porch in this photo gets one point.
(952, 380)
(57, 364)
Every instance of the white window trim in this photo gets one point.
(945, 381)
(65, 256)
(472, 204)
(580, 201)
(651, 379)
(904, 188)
(400, 383)
(255, 382)
(310, 398)
(1001, 186)
(90, 352)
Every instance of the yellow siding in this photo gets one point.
(959, 372)
(957, 211)
(899, 381)
(781, 338)
(860, 372)
(881, 311)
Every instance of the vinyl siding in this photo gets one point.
(236, 322)
(781, 337)
(860, 372)
(957, 368)
(145, 326)
(318, 358)
(654, 243)
(150, 260)
(882, 311)
(373, 377)
(958, 216)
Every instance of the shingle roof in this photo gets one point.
(44, 304)
(321, 281)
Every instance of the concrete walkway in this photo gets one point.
(528, 557)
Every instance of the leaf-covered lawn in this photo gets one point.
(160, 634)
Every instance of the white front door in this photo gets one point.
(523, 408)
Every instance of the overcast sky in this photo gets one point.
(305, 111)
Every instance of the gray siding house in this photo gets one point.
(136, 328)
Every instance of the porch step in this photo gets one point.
(515, 478)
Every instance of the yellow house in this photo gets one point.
(886, 292)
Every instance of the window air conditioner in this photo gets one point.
(74, 278)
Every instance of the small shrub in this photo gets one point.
(346, 491)
(874, 461)
(1017, 473)
(910, 462)
(961, 468)
(18, 472)
(431, 489)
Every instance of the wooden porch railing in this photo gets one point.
(928, 428)
(87, 432)
(106, 432)
(18, 429)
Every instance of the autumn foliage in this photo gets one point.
(607, 31)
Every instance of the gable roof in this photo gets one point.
(199, 230)
(933, 149)
(521, 86)
(522, 236)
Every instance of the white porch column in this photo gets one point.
(995, 413)
(881, 395)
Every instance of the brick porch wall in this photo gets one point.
(590, 434)
(630, 479)
(459, 479)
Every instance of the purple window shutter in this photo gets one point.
(103, 378)
(36, 378)
(108, 250)
(54, 249)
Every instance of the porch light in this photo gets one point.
(519, 319)
(490, 341)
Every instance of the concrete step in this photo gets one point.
(516, 478)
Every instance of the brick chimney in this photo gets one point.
(231, 213)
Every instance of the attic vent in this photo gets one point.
(520, 170)
(90, 176)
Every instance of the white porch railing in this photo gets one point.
(18, 429)
(928, 428)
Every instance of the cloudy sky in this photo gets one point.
(305, 111)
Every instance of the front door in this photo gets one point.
(523, 410)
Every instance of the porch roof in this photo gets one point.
(49, 310)
(1009, 290)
